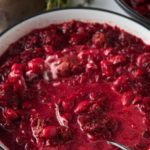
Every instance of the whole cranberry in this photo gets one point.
(49, 132)
(10, 114)
(36, 65)
(48, 49)
(82, 106)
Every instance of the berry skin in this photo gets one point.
(82, 106)
(127, 98)
(49, 132)
(10, 114)
(68, 105)
(36, 65)
(17, 66)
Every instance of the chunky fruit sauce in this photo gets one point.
(75, 86)
(141, 6)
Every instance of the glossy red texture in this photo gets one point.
(73, 86)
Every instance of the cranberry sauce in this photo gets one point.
(74, 86)
(141, 6)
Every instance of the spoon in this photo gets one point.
(109, 142)
(118, 145)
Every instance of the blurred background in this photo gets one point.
(12, 11)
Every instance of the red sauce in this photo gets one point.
(74, 86)
(141, 6)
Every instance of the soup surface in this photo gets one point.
(75, 86)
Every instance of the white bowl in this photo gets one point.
(59, 16)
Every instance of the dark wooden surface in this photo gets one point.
(11, 11)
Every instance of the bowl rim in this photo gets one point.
(77, 8)
(131, 11)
